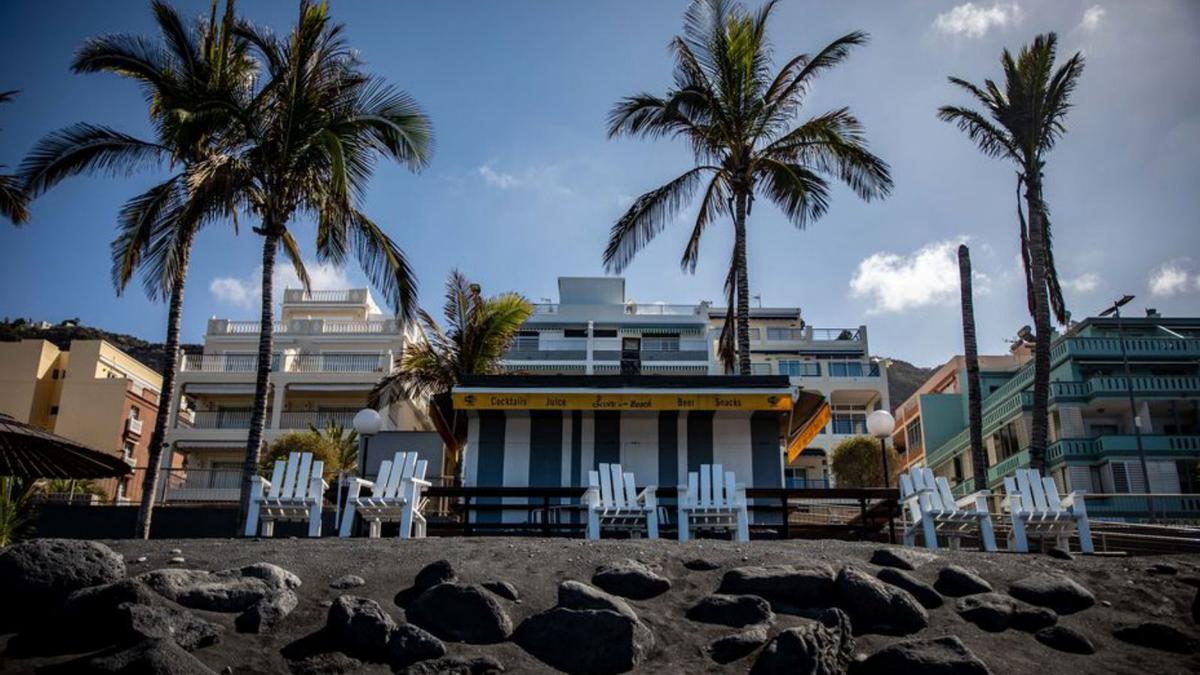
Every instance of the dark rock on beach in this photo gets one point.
(735, 611)
(160, 656)
(876, 607)
(1065, 639)
(38, 575)
(631, 579)
(939, 656)
(810, 648)
(360, 627)
(1056, 591)
(995, 612)
(502, 589)
(232, 590)
(438, 572)
(578, 595)
(738, 645)
(900, 558)
(408, 644)
(455, 665)
(701, 565)
(145, 622)
(461, 613)
(958, 581)
(797, 585)
(1156, 635)
(585, 641)
(923, 592)
(347, 581)
(267, 613)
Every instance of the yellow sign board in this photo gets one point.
(619, 401)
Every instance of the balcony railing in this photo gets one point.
(835, 334)
(319, 419)
(222, 419)
(1008, 465)
(307, 327)
(1110, 347)
(661, 309)
(338, 363)
(348, 295)
(201, 485)
(224, 363)
(1158, 445)
(1118, 386)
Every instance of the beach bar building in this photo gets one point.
(551, 430)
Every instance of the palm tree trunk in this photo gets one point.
(266, 335)
(971, 356)
(743, 285)
(1041, 321)
(163, 417)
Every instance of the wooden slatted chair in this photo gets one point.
(612, 501)
(294, 493)
(396, 496)
(1035, 506)
(932, 509)
(713, 499)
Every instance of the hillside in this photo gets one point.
(903, 379)
(61, 336)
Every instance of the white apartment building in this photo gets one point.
(586, 331)
(331, 348)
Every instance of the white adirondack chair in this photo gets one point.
(396, 496)
(1035, 506)
(713, 499)
(612, 501)
(932, 509)
(294, 493)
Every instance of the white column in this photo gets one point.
(277, 404)
(1144, 417)
(591, 346)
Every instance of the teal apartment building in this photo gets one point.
(1092, 444)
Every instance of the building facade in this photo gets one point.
(1092, 444)
(93, 393)
(331, 348)
(594, 322)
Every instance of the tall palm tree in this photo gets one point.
(1022, 122)
(179, 75)
(14, 203)
(310, 137)
(738, 120)
(478, 332)
(971, 356)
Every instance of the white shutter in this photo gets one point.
(1079, 478)
(1127, 477)
(1164, 478)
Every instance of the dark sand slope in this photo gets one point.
(1127, 592)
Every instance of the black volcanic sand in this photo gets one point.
(536, 566)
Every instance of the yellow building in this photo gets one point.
(94, 393)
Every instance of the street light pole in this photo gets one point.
(881, 424)
(1115, 310)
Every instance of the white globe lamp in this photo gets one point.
(880, 424)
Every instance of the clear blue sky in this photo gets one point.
(524, 186)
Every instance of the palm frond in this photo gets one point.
(14, 203)
(292, 250)
(384, 264)
(140, 220)
(647, 216)
(799, 192)
(715, 203)
(85, 148)
(990, 139)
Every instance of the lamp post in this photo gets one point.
(1115, 312)
(881, 424)
(367, 423)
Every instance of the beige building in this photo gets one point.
(94, 393)
(331, 348)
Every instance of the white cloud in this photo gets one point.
(246, 292)
(894, 282)
(498, 179)
(1170, 278)
(974, 21)
(1092, 17)
(1084, 283)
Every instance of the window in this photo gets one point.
(1104, 429)
(128, 449)
(661, 343)
(913, 435)
(54, 374)
(574, 332)
(776, 334)
(1120, 477)
(850, 422)
(53, 410)
(604, 332)
(123, 489)
(846, 369)
(760, 369)
(1189, 475)
(798, 368)
(755, 334)
(1006, 441)
(527, 340)
(135, 413)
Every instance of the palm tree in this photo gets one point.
(478, 332)
(1022, 123)
(344, 440)
(738, 120)
(14, 203)
(310, 137)
(179, 75)
(971, 356)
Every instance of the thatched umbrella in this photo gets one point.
(29, 452)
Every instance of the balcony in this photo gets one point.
(201, 485)
(328, 362)
(224, 363)
(1135, 347)
(1148, 385)
(357, 296)
(318, 419)
(998, 471)
(133, 426)
(234, 418)
(1091, 449)
(308, 327)
(661, 309)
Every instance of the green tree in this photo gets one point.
(14, 203)
(189, 66)
(322, 449)
(16, 510)
(971, 356)
(310, 137)
(345, 443)
(1022, 122)
(478, 332)
(857, 462)
(738, 120)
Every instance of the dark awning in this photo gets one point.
(29, 452)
